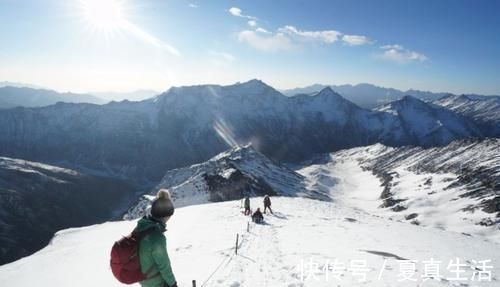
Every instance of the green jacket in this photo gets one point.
(153, 254)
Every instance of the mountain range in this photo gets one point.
(20, 96)
(370, 96)
(188, 125)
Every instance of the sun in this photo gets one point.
(104, 15)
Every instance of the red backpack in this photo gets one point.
(125, 262)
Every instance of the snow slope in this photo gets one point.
(453, 188)
(302, 237)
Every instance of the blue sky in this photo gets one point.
(123, 45)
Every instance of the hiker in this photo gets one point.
(257, 216)
(247, 205)
(153, 255)
(267, 204)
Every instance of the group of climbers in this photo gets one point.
(257, 216)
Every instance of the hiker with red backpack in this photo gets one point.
(152, 267)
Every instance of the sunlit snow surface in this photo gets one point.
(437, 199)
(201, 242)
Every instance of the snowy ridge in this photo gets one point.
(485, 110)
(456, 187)
(41, 169)
(228, 176)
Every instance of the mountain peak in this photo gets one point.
(407, 100)
(328, 92)
(252, 84)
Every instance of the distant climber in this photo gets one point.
(247, 206)
(267, 204)
(155, 263)
(257, 216)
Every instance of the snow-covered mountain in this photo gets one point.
(11, 97)
(230, 175)
(484, 110)
(36, 200)
(455, 187)
(188, 125)
(306, 243)
(367, 95)
(428, 125)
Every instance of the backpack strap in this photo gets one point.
(139, 235)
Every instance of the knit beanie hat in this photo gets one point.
(162, 205)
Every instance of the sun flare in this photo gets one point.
(104, 15)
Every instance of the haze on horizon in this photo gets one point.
(128, 45)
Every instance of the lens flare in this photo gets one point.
(222, 129)
(104, 15)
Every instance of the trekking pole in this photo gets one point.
(194, 283)
(248, 226)
(236, 249)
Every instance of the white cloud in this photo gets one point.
(262, 30)
(235, 11)
(192, 5)
(398, 54)
(289, 36)
(397, 47)
(356, 40)
(266, 42)
(325, 36)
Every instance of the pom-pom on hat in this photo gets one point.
(162, 205)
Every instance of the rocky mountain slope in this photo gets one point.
(36, 200)
(231, 175)
(428, 125)
(483, 110)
